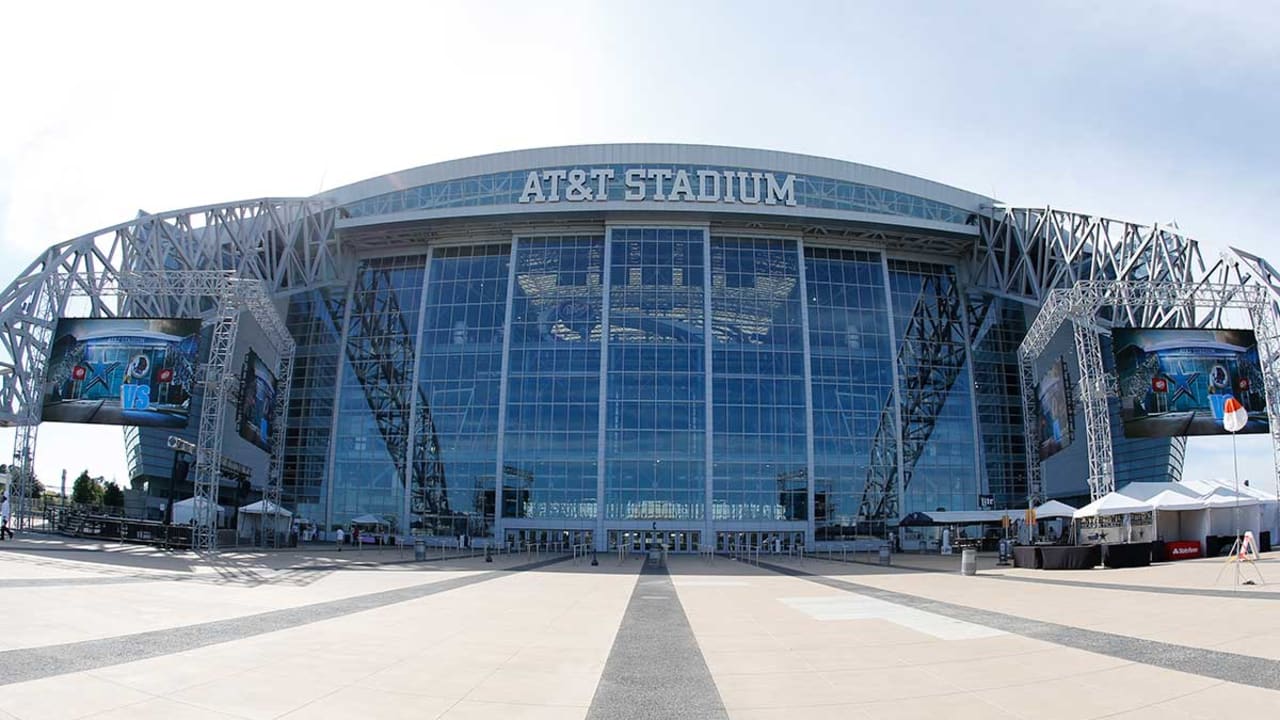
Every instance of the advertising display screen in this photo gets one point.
(122, 371)
(1176, 382)
(257, 401)
(1055, 412)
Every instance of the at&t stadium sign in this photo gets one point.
(746, 187)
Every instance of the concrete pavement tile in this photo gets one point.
(889, 684)
(555, 660)
(778, 690)
(1133, 686)
(1055, 700)
(358, 702)
(1243, 701)
(748, 662)
(453, 683)
(951, 707)
(470, 710)
(160, 709)
(256, 695)
(811, 712)
(538, 688)
(53, 697)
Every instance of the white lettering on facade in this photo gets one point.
(635, 184)
(661, 184)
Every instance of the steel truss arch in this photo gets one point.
(210, 262)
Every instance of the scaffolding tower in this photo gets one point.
(1093, 307)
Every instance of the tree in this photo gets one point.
(112, 495)
(86, 490)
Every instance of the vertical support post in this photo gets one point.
(1097, 418)
(1030, 429)
(275, 472)
(204, 536)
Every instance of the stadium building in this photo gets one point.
(601, 342)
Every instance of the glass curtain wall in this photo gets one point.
(936, 392)
(855, 423)
(552, 420)
(459, 390)
(315, 320)
(758, 400)
(372, 430)
(655, 423)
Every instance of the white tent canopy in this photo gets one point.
(368, 519)
(1111, 504)
(1054, 509)
(262, 507)
(185, 510)
(1168, 500)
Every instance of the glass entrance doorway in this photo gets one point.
(767, 542)
(676, 541)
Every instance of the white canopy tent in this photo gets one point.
(1054, 509)
(185, 510)
(254, 517)
(370, 519)
(1113, 503)
(1095, 529)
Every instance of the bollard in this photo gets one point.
(968, 561)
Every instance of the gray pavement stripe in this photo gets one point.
(1244, 669)
(655, 668)
(26, 664)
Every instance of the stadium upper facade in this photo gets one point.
(603, 339)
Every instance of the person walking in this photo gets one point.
(340, 539)
(4, 518)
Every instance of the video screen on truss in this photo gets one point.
(122, 371)
(257, 401)
(1055, 412)
(1176, 382)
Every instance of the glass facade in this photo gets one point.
(590, 384)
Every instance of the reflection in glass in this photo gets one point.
(553, 391)
(655, 411)
(372, 432)
(757, 357)
(459, 383)
(854, 421)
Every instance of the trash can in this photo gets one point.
(884, 554)
(969, 561)
(419, 549)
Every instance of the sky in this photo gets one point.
(1144, 111)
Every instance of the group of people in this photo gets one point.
(356, 538)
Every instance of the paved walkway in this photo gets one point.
(128, 632)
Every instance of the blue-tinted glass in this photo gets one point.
(459, 390)
(372, 434)
(553, 392)
(758, 405)
(655, 412)
(939, 468)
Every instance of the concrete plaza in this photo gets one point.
(118, 631)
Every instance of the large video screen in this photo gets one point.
(257, 401)
(1176, 382)
(122, 371)
(1055, 412)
